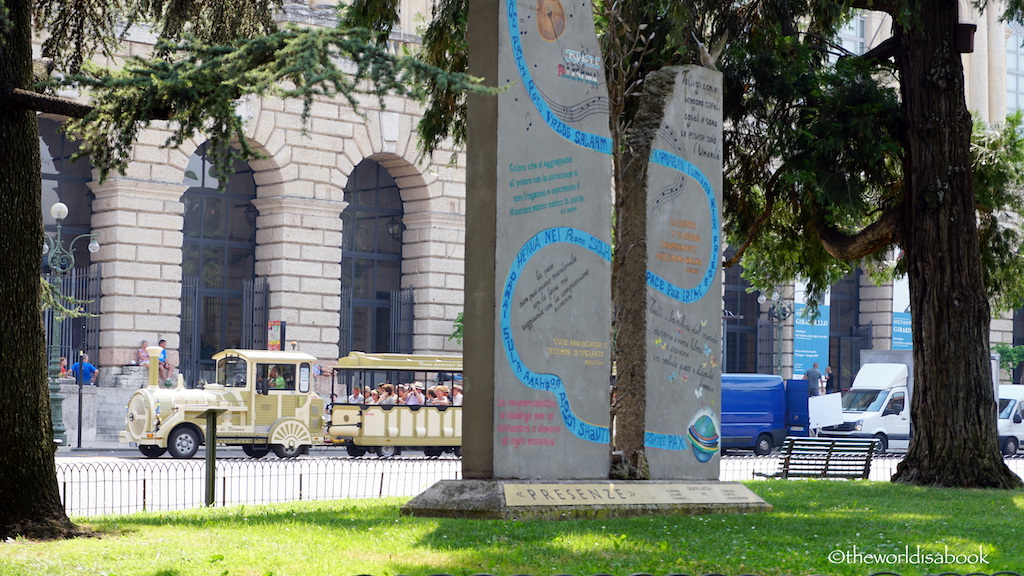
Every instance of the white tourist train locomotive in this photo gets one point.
(266, 403)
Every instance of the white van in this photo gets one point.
(1011, 418)
(877, 406)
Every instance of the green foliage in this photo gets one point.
(63, 306)
(1010, 357)
(997, 156)
(456, 334)
(220, 22)
(381, 16)
(445, 46)
(197, 86)
(812, 149)
(77, 30)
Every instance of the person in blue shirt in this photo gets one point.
(166, 369)
(88, 370)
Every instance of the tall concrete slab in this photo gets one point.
(684, 290)
(538, 290)
(538, 299)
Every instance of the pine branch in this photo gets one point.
(197, 86)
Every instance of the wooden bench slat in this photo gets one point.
(824, 458)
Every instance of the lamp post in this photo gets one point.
(778, 313)
(61, 260)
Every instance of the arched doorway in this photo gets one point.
(64, 180)
(376, 314)
(218, 263)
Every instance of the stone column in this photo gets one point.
(139, 225)
(433, 265)
(299, 251)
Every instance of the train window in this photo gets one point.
(276, 376)
(304, 378)
(231, 372)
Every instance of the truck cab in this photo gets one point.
(1011, 418)
(877, 406)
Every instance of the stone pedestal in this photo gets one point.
(562, 500)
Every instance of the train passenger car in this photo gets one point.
(386, 429)
(265, 399)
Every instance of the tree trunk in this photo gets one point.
(629, 323)
(30, 504)
(953, 411)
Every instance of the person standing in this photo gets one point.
(829, 381)
(813, 377)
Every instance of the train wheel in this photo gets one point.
(289, 438)
(431, 451)
(355, 451)
(152, 451)
(287, 451)
(253, 451)
(458, 451)
(387, 451)
(183, 443)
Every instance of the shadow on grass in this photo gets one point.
(812, 520)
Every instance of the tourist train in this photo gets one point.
(264, 402)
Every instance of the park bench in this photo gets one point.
(847, 458)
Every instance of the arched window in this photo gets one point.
(371, 261)
(218, 260)
(64, 180)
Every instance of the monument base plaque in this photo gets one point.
(568, 499)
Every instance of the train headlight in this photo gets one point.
(139, 412)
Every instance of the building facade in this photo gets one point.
(346, 235)
(341, 231)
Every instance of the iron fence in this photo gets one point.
(123, 487)
(883, 466)
(90, 488)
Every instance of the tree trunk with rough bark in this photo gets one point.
(629, 279)
(953, 404)
(30, 504)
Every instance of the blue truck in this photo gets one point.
(760, 410)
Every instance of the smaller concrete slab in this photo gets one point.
(565, 499)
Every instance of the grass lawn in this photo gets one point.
(818, 527)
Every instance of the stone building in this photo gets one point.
(347, 236)
(341, 231)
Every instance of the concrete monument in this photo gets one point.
(538, 289)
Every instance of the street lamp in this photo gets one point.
(60, 260)
(778, 313)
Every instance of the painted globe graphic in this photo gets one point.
(703, 436)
